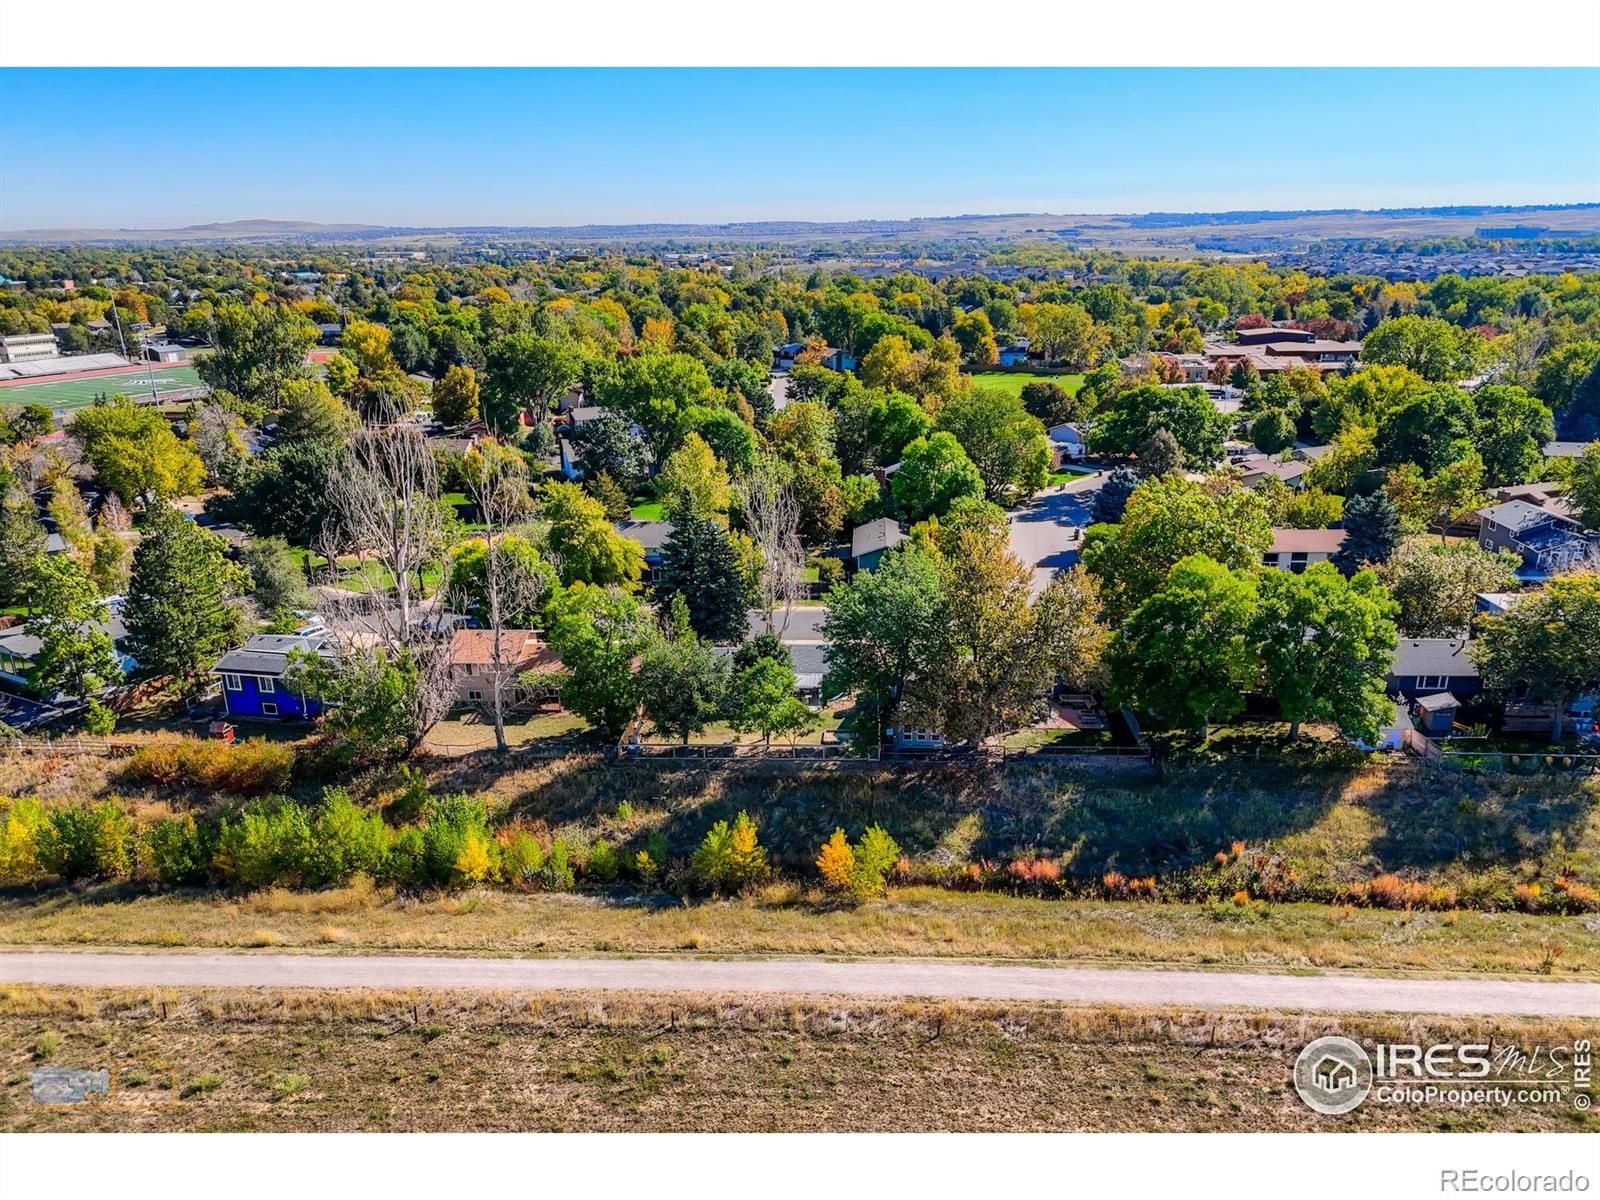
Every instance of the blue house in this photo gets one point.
(255, 684)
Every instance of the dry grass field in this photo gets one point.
(785, 920)
(372, 1061)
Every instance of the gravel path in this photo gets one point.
(1078, 985)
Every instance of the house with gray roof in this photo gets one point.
(1425, 666)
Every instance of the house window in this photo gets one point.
(266, 684)
(233, 683)
(1433, 681)
(268, 709)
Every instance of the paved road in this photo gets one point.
(1047, 532)
(1080, 985)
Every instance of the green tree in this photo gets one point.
(1437, 585)
(598, 633)
(1005, 442)
(76, 654)
(1512, 430)
(1186, 413)
(311, 413)
(683, 683)
(1167, 520)
(525, 371)
(608, 446)
(934, 473)
(1372, 532)
(1185, 652)
(654, 390)
(178, 613)
(277, 582)
(455, 396)
(527, 577)
(700, 564)
(760, 697)
(1051, 402)
(256, 349)
(885, 627)
(583, 541)
(1584, 488)
(1273, 431)
(693, 482)
(1433, 348)
(1431, 429)
(1325, 645)
(135, 453)
(1547, 648)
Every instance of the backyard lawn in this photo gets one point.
(1014, 381)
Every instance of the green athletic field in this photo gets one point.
(1015, 381)
(69, 393)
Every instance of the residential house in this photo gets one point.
(1296, 549)
(1564, 449)
(869, 542)
(255, 676)
(19, 649)
(472, 668)
(1425, 666)
(1067, 443)
(651, 535)
(1545, 540)
(1253, 468)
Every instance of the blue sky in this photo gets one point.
(145, 148)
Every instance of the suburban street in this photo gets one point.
(1047, 531)
(952, 980)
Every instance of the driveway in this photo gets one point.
(954, 980)
(1047, 531)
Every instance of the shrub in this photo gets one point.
(86, 841)
(254, 767)
(265, 844)
(346, 840)
(837, 861)
(178, 851)
(19, 830)
(99, 720)
(730, 858)
(521, 857)
(457, 847)
(556, 874)
(603, 865)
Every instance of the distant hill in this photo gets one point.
(1167, 232)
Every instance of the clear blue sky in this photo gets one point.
(144, 148)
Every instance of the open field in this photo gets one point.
(135, 382)
(196, 1059)
(787, 920)
(1013, 382)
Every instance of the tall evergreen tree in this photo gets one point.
(700, 564)
(1372, 532)
(178, 616)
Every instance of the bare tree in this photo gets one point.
(773, 517)
(497, 480)
(384, 503)
(384, 508)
